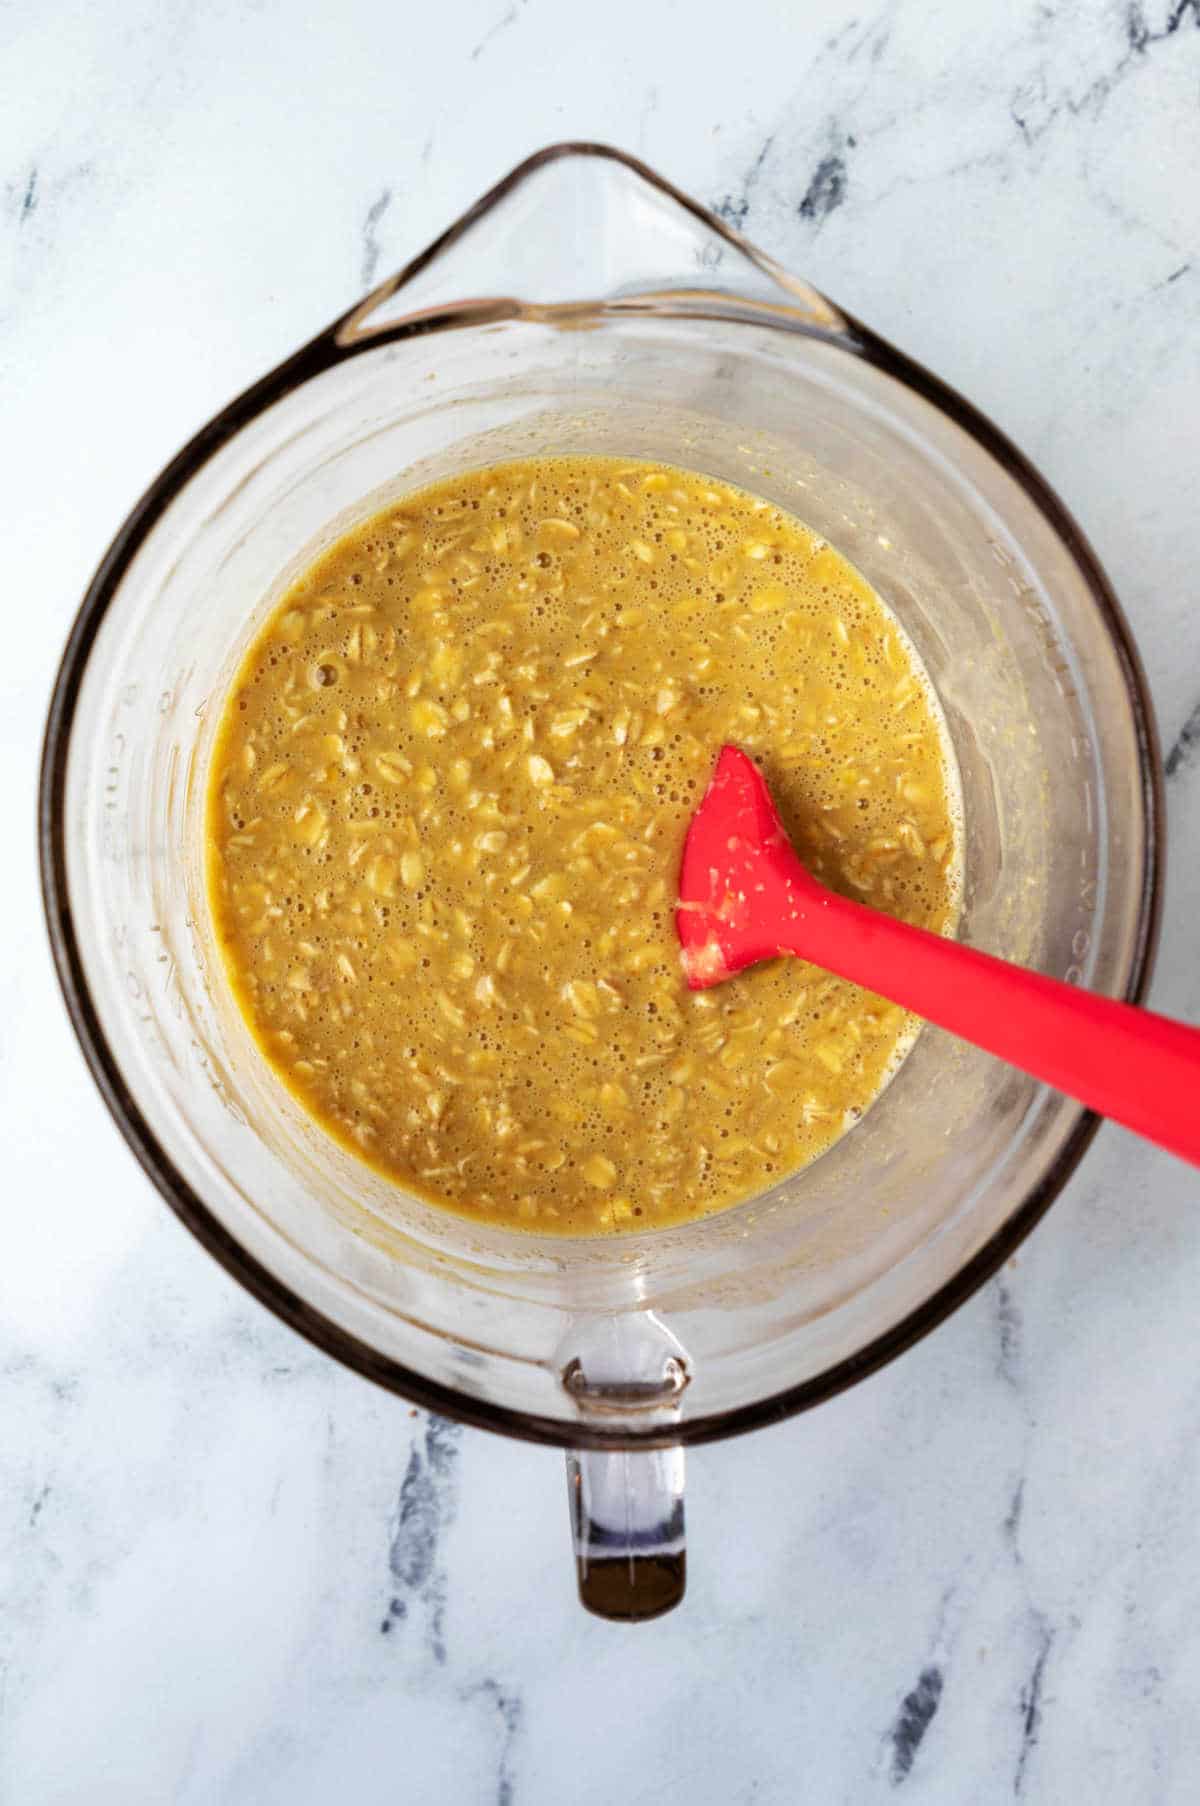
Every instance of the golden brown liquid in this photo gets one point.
(447, 805)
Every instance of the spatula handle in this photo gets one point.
(1141, 1069)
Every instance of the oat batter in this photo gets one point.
(447, 803)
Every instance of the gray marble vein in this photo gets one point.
(426, 1506)
(371, 248)
(1182, 749)
(918, 1710)
(507, 19)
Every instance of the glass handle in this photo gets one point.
(627, 1521)
(627, 1503)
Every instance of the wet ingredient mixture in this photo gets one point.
(448, 797)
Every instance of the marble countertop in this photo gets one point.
(233, 1572)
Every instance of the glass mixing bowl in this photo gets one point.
(586, 305)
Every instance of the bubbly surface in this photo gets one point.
(447, 803)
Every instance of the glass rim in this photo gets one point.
(337, 343)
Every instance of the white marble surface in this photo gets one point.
(976, 1577)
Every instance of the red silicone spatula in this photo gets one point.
(744, 896)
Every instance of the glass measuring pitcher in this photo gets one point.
(584, 305)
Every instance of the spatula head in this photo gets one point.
(743, 893)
